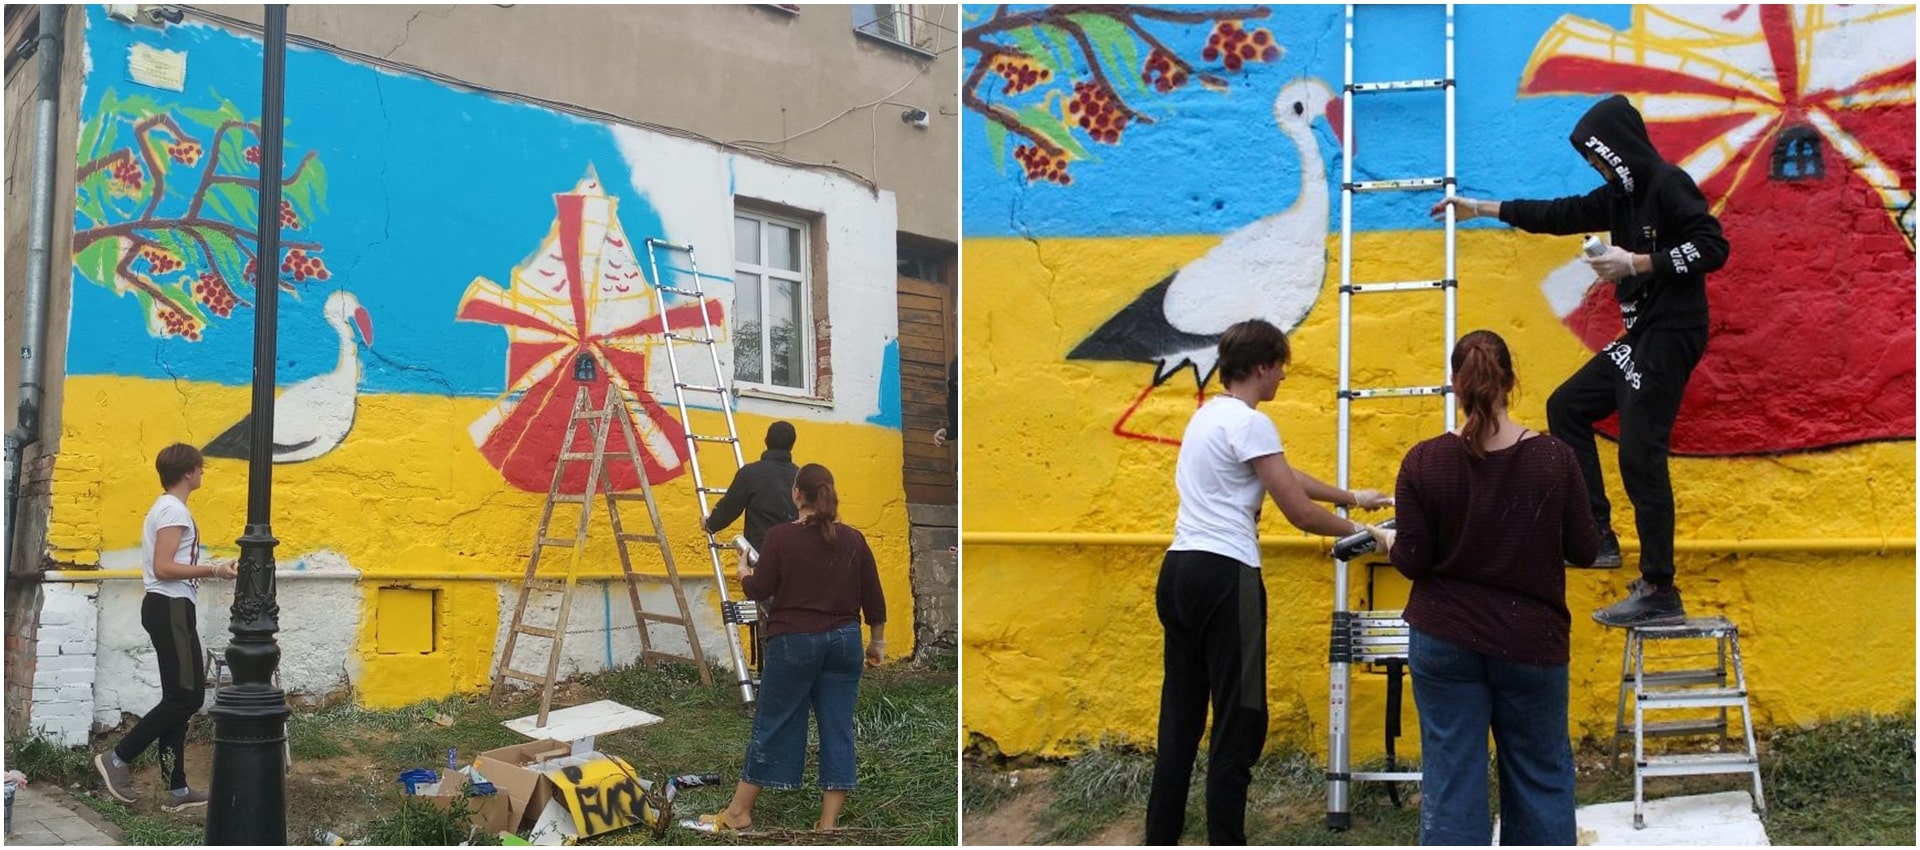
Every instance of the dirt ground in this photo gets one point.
(332, 794)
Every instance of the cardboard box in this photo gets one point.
(510, 770)
(492, 813)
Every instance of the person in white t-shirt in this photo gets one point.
(1210, 599)
(171, 558)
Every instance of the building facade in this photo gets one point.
(1138, 177)
(476, 203)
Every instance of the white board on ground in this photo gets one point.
(1725, 819)
(583, 721)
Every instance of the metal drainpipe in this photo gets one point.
(26, 430)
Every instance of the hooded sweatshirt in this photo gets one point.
(763, 490)
(1649, 206)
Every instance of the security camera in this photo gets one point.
(916, 117)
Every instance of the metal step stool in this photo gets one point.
(1697, 688)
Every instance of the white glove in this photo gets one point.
(1616, 264)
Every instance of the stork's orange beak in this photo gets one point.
(1336, 115)
(365, 323)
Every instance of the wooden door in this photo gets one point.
(927, 347)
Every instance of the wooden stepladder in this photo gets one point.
(613, 414)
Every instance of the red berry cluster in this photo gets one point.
(185, 153)
(1019, 72)
(180, 324)
(1041, 165)
(1240, 46)
(252, 272)
(127, 176)
(214, 292)
(304, 266)
(1161, 72)
(253, 154)
(1094, 106)
(288, 218)
(159, 260)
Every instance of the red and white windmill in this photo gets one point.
(1798, 124)
(581, 293)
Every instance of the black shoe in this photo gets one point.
(1644, 606)
(1609, 557)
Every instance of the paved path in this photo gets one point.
(43, 817)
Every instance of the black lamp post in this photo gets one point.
(248, 802)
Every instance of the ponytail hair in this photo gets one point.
(1483, 379)
(815, 484)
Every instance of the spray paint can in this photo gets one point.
(327, 838)
(1593, 247)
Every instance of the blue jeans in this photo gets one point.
(1461, 694)
(801, 673)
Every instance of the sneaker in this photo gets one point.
(1609, 557)
(183, 802)
(118, 779)
(1644, 606)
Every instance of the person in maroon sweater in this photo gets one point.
(825, 578)
(1485, 518)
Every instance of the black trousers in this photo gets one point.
(1642, 378)
(173, 627)
(1214, 610)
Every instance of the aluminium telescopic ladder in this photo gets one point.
(1377, 637)
(743, 614)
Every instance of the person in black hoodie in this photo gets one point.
(1664, 242)
(762, 489)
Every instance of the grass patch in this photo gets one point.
(410, 822)
(1847, 782)
(48, 763)
(144, 829)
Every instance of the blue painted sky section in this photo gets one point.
(428, 186)
(890, 414)
(1215, 161)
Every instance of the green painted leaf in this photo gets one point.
(181, 243)
(1030, 44)
(997, 142)
(235, 204)
(1063, 43)
(1048, 124)
(96, 261)
(208, 118)
(1117, 47)
(228, 259)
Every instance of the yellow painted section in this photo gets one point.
(409, 494)
(1060, 642)
(404, 620)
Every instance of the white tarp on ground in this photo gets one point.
(1725, 819)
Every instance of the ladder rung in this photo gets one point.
(649, 577)
(1398, 286)
(719, 490)
(627, 497)
(1681, 677)
(570, 498)
(1693, 764)
(1399, 85)
(1386, 776)
(1697, 627)
(668, 656)
(536, 631)
(706, 439)
(690, 293)
(1410, 183)
(718, 545)
(525, 677)
(578, 456)
(1672, 728)
(692, 339)
(590, 414)
(555, 541)
(1392, 392)
(637, 538)
(671, 246)
(701, 388)
(1694, 698)
(549, 585)
(662, 618)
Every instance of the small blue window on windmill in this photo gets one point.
(1797, 155)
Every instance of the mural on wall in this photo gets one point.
(166, 204)
(311, 417)
(1780, 113)
(1271, 267)
(581, 294)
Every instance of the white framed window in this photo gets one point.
(895, 22)
(772, 304)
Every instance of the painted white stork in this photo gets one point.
(313, 416)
